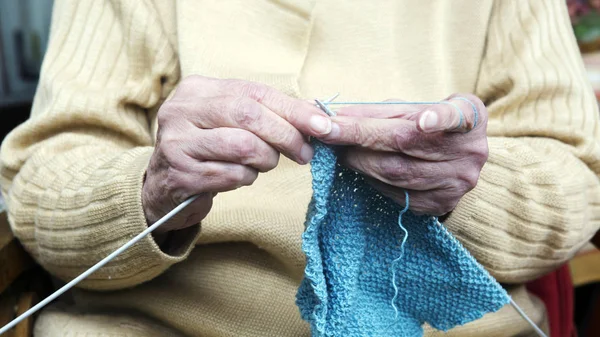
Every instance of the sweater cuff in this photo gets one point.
(519, 222)
(144, 260)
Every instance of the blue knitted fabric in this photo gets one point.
(352, 237)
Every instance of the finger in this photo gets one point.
(459, 113)
(212, 176)
(391, 135)
(391, 108)
(304, 116)
(431, 202)
(231, 145)
(245, 113)
(399, 170)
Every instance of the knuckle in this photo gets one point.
(256, 91)
(447, 206)
(169, 146)
(168, 142)
(235, 176)
(357, 135)
(238, 176)
(482, 156)
(287, 108)
(271, 162)
(392, 169)
(244, 148)
(246, 112)
(443, 202)
(173, 181)
(161, 120)
(470, 178)
(168, 111)
(211, 172)
(403, 139)
(479, 153)
(289, 140)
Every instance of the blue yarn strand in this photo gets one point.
(401, 253)
(474, 107)
(462, 116)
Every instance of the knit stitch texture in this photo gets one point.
(352, 237)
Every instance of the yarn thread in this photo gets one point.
(406, 206)
(351, 240)
(311, 296)
(324, 298)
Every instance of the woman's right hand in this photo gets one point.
(217, 135)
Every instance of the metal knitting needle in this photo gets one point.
(526, 318)
(323, 105)
(165, 218)
(325, 108)
(107, 259)
(97, 266)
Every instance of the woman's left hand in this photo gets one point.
(430, 151)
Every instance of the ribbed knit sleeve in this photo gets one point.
(538, 198)
(72, 174)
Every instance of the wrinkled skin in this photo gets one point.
(218, 135)
(425, 150)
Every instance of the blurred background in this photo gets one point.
(24, 29)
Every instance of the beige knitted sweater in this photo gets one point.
(72, 174)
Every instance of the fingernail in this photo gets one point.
(428, 121)
(306, 153)
(320, 124)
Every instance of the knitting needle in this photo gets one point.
(323, 105)
(97, 266)
(526, 318)
(325, 108)
(157, 224)
(107, 259)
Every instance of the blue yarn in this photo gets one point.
(475, 111)
(404, 238)
(352, 240)
(462, 116)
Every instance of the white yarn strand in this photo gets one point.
(97, 266)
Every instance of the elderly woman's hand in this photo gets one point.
(428, 151)
(217, 135)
